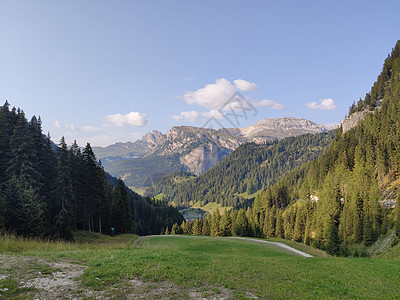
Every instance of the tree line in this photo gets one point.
(50, 191)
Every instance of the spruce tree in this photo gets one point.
(121, 214)
(226, 224)
(65, 192)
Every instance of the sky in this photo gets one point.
(110, 71)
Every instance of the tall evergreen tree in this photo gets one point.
(65, 192)
(120, 207)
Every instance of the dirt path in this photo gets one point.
(301, 253)
(282, 245)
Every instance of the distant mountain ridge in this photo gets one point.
(191, 148)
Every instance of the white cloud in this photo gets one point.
(243, 85)
(216, 114)
(191, 116)
(268, 103)
(133, 118)
(57, 124)
(212, 96)
(69, 126)
(221, 97)
(325, 104)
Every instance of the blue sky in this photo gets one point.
(109, 71)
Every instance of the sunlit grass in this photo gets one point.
(10, 243)
(242, 266)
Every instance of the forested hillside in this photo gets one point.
(334, 202)
(49, 193)
(248, 169)
(360, 168)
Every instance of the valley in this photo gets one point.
(205, 150)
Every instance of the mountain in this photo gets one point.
(271, 129)
(191, 149)
(131, 150)
(237, 177)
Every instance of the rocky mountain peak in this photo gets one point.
(153, 138)
(280, 128)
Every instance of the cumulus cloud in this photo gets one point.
(212, 96)
(215, 114)
(268, 103)
(325, 104)
(216, 95)
(221, 97)
(243, 85)
(133, 118)
(57, 124)
(191, 116)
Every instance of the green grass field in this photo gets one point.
(175, 267)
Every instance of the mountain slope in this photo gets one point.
(249, 168)
(341, 192)
(191, 149)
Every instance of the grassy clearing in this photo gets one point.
(213, 246)
(160, 196)
(213, 265)
(193, 213)
(258, 269)
(245, 195)
(211, 207)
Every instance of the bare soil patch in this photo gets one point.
(40, 278)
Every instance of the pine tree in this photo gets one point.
(7, 125)
(240, 226)
(215, 221)
(174, 229)
(22, 189)
(65, 192)
(271, 222)
(121, 216)
(206, 227)
(226, 224)
(279, 224)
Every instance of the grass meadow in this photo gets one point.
(247, 269)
